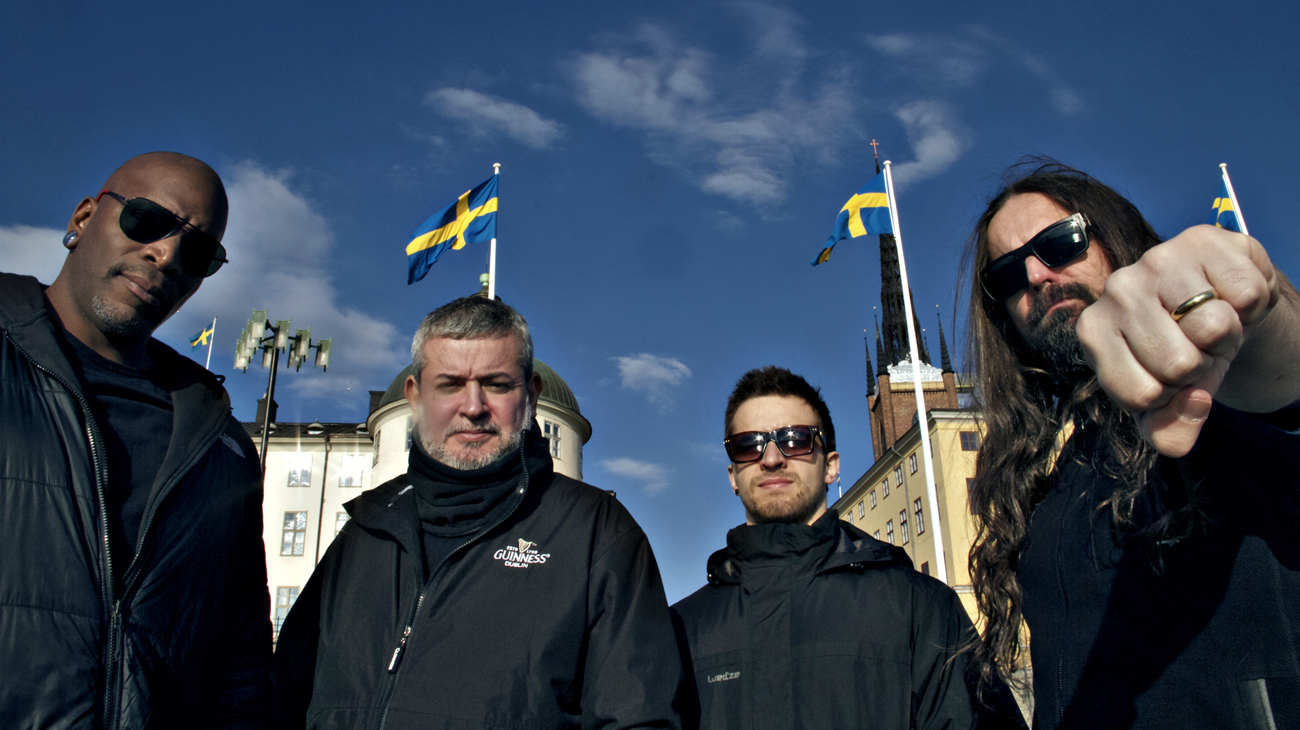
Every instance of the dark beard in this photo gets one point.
(1054, 342)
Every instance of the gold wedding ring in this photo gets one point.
(1186, 307)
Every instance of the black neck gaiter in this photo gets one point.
(454, 504)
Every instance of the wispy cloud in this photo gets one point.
(965, 57)
(33, 251)
(734, 127)
(487, 114)
(937, 140)
(654, 477)
(654, 376)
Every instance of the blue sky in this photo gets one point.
(669, 171)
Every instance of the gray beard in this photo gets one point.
(116, 325)
(480, 457)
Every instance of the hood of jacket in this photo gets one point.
(832, 543)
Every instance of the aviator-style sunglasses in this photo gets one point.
(743, 448)
(144, 221)
(1055, 245)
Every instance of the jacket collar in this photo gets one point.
(201, 405)
(391, 506)
(830, 543)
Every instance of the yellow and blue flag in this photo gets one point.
(203, 336)
(1222, 213)
(471, 219)
(865, 213)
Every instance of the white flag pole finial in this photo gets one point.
(922, 420)
(492, 250)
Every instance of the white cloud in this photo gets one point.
(933, 58)
(653, 476)
(280, 258)
(734, 127)
(937, 140)
(656, 377)
(33, 251)
(487, 114)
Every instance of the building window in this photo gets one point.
(925, 568)
(300, 470)
(375, 459)
(351, 468)
(898, 475)
(902, 526)
(884, 488)
(284, 598)
(295, 533)
(862, 509)
(970, 496)
(872, 495)
(409, 427)
(970, 441)
(552, 433)
(850, 517)
(911, 463)
(920, 521)
(877, 535)
(889, 531)
(340, 519)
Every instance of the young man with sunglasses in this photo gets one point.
(1137, 493)
(132, 574)
(806, 621)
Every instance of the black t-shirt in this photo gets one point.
(134, 416)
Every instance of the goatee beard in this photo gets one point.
(478, 458)
(1054, 342)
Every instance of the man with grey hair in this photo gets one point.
(480, 588)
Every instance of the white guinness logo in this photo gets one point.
(521, 556)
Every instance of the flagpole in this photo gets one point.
(492, 251)
(210, 340)
(1232, 195)
(922, 420)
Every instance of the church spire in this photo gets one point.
(882, 367)
(897, 347)
(871, 380)
(943, 347)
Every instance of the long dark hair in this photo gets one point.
(1025, 407)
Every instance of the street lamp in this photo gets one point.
(255, 337)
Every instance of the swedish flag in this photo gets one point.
(471, 219)
(1222, 213)
(865, 213)
(202, 337)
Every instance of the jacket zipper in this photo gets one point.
(395, 659)
(110, 606)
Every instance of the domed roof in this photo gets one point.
(554, 390)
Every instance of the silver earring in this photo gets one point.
(69, 238)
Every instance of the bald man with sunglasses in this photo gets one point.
(132, 572)
(1138, 504)
(806, 621)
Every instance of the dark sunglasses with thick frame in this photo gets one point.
(748, 447)
(144, 221)
(1055, 245)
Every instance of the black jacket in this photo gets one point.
(555, 618)
(823, 626)
(188, 642)
(1212, 638)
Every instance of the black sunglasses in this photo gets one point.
(144, 221)
(743, 448)
(1055, 245)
